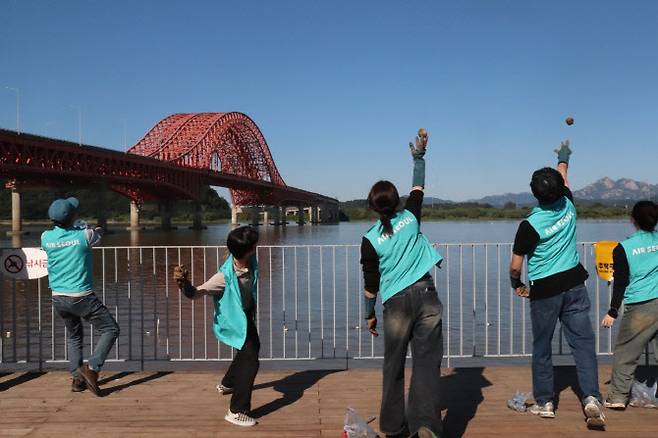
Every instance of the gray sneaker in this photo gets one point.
(544, 411)
(594, 412)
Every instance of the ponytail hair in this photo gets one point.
(645, 215)
(384, 200)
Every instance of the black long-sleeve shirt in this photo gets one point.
(526, 241)
(369, 257)
(622, 274)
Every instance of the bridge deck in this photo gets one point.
(289, 404)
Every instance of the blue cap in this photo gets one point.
(61, 210)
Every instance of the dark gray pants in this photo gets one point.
(638, 327)
(412, 316)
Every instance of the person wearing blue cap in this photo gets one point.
(70, 276)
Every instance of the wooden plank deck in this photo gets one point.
(288, 404)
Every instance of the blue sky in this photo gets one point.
(339, 87)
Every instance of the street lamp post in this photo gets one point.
(18, 108)
(79, 108)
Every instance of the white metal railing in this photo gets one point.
(309, 306)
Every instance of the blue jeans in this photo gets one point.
(72, 310)
(412, 316)
(572, 309)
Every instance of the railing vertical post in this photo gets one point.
(498, 268)
(308, 298)
(296, 307)
(141, 305)
(167, 300)
(205, 310)
(13, 319)
(347, 303)
(130, 307)
(156, 320)
(192, 303)
(461, 300)
(270, 277)
(116, 300)
(283, 299)
(474, 300)
(448, 300)
(486, 300)
(333, 248)
(40, 325)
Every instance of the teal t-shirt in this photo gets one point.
(642, 253)
(404, 257)
(70, 268)
(230, 321)
(556, 251)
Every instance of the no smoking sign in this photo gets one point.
(24, 263)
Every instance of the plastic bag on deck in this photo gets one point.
(643, 395)
(518, 402)
(357, 427)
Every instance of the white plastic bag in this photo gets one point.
(518, 402)
(357, 427)
(643, 396)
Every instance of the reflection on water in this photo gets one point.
(345, 233)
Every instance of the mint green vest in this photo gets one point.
(69, 260)
(556, 251)
(404, 257)
(230, 321)
(642, 254)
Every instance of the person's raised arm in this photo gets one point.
(563, 155)
(415, 200)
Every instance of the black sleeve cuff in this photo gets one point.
(614, 313)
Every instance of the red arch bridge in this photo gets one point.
(176, 160)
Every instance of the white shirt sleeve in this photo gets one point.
(214, 286)
(93, 237)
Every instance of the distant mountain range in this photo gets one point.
(605, 190)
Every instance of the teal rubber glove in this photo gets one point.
(370, 307)
(563, 153)
(418, 178)
(418, 149)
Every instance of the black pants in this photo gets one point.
(241, 374)
(412, 316)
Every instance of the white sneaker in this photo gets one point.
(224, 390)
(594, 412)
(240, 419)
(544, 411)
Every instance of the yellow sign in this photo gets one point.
(603, 255)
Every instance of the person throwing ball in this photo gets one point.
(396, 259)
(234, 291)
(556, 290)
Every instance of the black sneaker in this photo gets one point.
(78, 385)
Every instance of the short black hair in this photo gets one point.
(241, 240)
(547, 185)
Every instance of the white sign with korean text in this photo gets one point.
(24, 263)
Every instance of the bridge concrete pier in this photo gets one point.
(315, 219)
(165, 208)
(134, 217)
(234, 215)
(254, 216)
(101, 203)
(197, 223)
(301, 219)
(16, 214)
(266, 217)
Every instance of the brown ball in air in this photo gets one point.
(569, 121)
